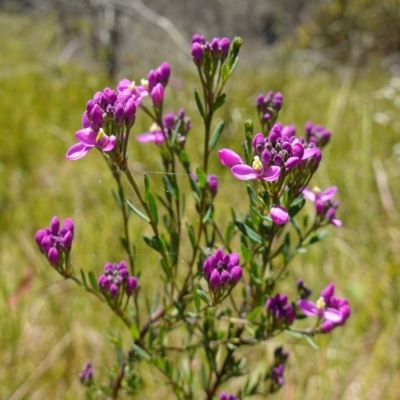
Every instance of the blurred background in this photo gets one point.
(337, 63)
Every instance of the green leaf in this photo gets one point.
(199, 103)
(253, 236)
(216, 135)
(141, 352)
(296, 335)
(117, 197)
(219, 102)
(176, 131)
(296, 206)
(316, 237)
(202, 296)
(184, 158)
(225, 73)
(137, 212)
(254, 312)
(135, 332)
(146, 187)
(83, 277)
(233, 65)
(192, 236)
(230, 229)
(202, 178)
(93, 281)
(286, 246)
(153, 207)
(208, 213)
(196, 299)
(312, 343)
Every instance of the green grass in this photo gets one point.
(55, 328)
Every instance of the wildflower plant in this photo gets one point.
(228, 295)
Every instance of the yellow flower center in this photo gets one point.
(100, 135)
(257, 164)
(316, 189)
(132, 86)
(155, 128)
(320, 303)
(145, 83)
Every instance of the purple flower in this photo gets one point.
(279, 215)
(244, 172)
(155, 135)
(86, 375)
(158, 136)
(317, 134)
(225, 396)
(334, 311)
(222, 270)
(157, 94)
(324, 206)
(116, 280)
(277, 374)
(138, 92)
(159, 75)
(281, 310)
(88, 139)
(212, 182)
(56, 241)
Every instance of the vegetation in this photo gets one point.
(49, 331)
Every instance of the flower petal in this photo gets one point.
(229, 158)
(307, 307)
(271, 173)
(279, 215)
(111, 143)
(335, 316)
(86, 121)
(77, 151)
(87, 137)
(309, 195)
(151, 137)
(336, 222)
(328, 194)
(308, 153)
(243, 172)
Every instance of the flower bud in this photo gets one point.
(67, 241)
(164, 73)
(236, 274)
(113, 290)
(130, 112)
(212, 182)
(55, 225)
(224, 45)
(157, 94)
(53, 256)
(197, 53)
(131, 285)
(40, 235)
(215, 279)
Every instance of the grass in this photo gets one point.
(54, 328)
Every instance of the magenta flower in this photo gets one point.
(222, 270)
(88, 139)
(155, 135)
(324, 206)
(138, 91)
(116, 280)
(281, 309)
(86, 375)
(258, 170)
(56, 241)
(279, 215)
(334, 311)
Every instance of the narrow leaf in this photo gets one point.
(135, 332)
(146, 186)
(199, 103)
(219, 102)
(140, 352)
(93, 281)
(137, 212)
(153, 207)
(201, 176)
(216, 135)
(202, 296)
(247, 231)
(117, 197)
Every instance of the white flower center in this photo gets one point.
(257, 164)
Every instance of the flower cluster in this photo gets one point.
(268, 107)
(207, 52)
(222, 270)
(317, 134)
(281, 157)
(332, 310)
(55, 242)
(225, 396)
(280, 309)
(158, 80)
(170, 123)
(104, 121)
(86, 375)
(116, 280)
(324, 205)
